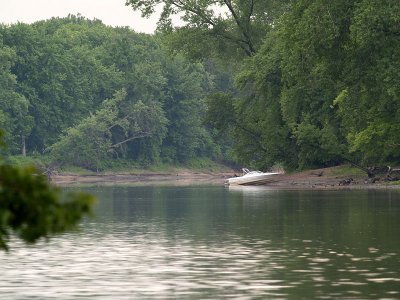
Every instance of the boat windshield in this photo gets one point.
(248, 172)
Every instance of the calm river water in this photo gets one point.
(212, 242)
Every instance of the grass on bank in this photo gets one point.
(124, 166)
(393, 182)
(345, 170)
(20, 160)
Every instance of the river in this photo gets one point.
(214, 242)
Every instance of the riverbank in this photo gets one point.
(341, 177)
(179, 176)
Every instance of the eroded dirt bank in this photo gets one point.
(183, 177)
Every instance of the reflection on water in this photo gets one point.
(213, 242)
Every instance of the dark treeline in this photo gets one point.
(85, 93)
(323, 87)
(317, 81)
(295, 83)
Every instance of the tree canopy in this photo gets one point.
(62, 83)
(322, 89)
(299, 83)
(220, 24)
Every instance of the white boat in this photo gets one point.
(253, 178)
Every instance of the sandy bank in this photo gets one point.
(185, 177)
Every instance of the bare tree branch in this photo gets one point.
(243, 29)
(245, 44)
(137, 136)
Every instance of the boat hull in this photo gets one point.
(257, 179)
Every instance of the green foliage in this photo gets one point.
(14, 118)
(216, 27)
(117, 122)
(317, 147)
(221, 112)
(346, 170)
(373, 82)
(323, 87)
(316, 83)
(378, 142)
(21, 160)
(58, 74)
(267, 139)
(32, 209)
(184, 106)
(58, 71)
(397, 182)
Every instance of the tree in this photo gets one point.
(65, 68)
(267, 139)
(369, 102)
(322, 89)
(313, 37)
(14, 118)
(118, 122)
(229, 30)
(59, 69)
(187, 84)
(223, 22)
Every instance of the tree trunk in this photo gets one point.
(23, 146)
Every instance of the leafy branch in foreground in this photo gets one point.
(31, 208)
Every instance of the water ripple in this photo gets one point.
(152, 256)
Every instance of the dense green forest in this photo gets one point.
(297, 84)
(85, 93)
(316, 82)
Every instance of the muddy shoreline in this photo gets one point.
(63, 179)
(312, 179)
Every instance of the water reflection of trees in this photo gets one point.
(310, 240)
(351, 217)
